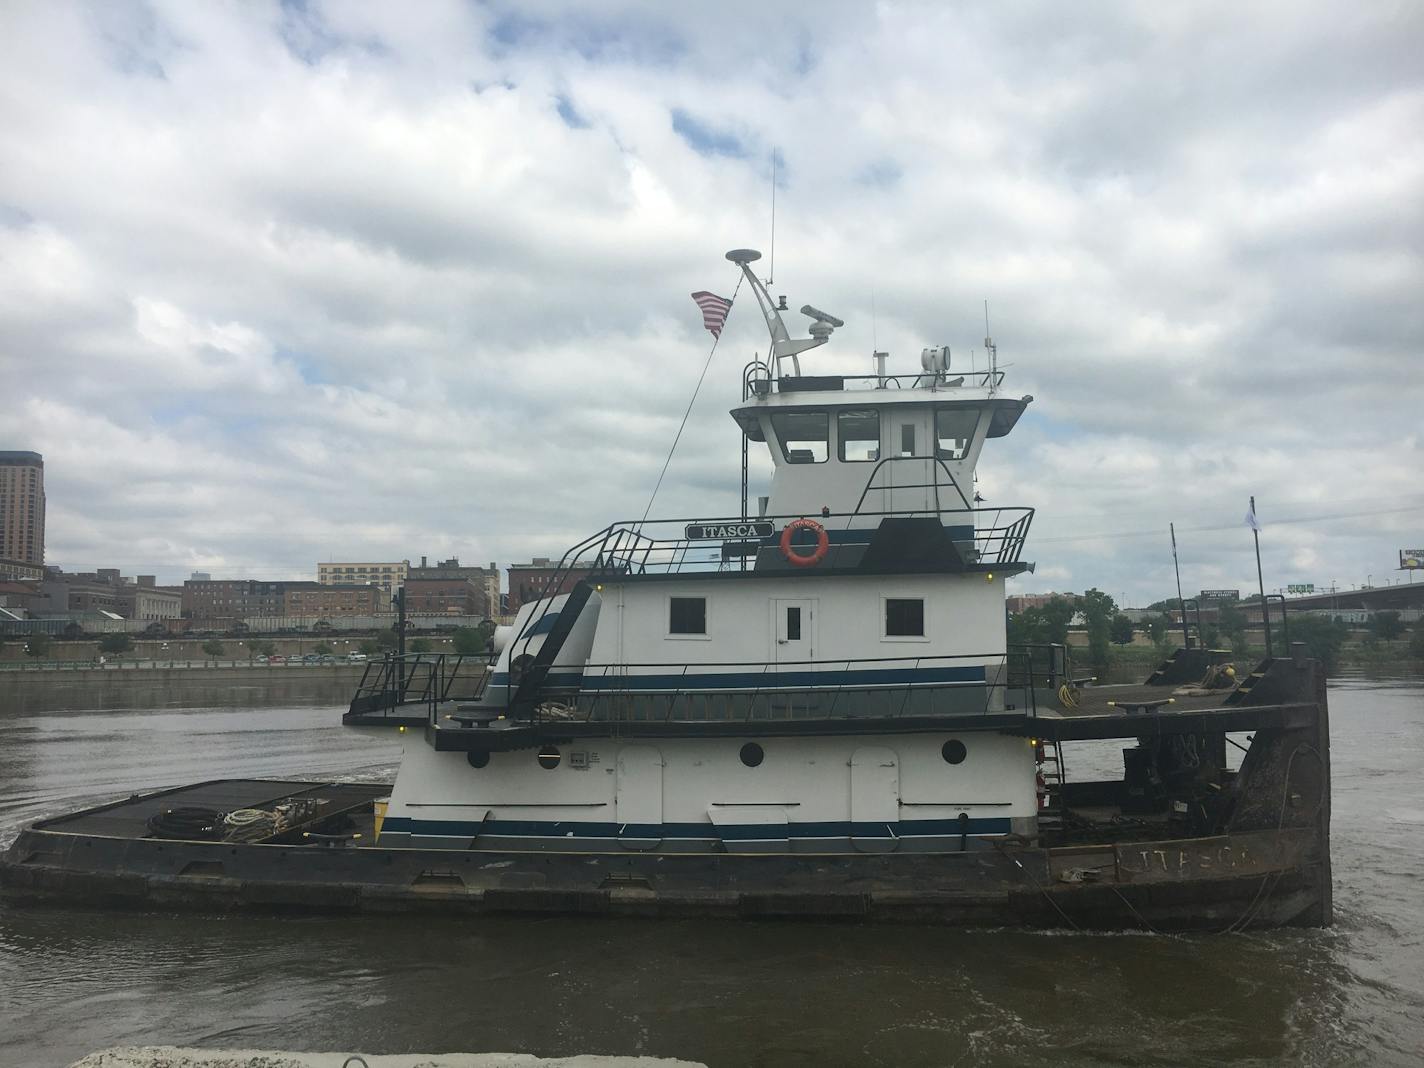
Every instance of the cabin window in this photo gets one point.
(858, 434)
(907, 439)
(793, 623)
(805, 436)
(687, 615)
(954, 431)
(904, 617)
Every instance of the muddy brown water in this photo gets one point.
(727, 993)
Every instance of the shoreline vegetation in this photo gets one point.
(1103, 639)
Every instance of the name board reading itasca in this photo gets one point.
(706, 531)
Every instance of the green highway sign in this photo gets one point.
(1301, 587)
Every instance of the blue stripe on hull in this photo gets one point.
(833, 679)
(697, 831)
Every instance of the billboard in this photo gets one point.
(1411, 559)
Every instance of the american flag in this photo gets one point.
(714, 311)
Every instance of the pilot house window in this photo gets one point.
(804, 436)
(687, 615)
(954, 431)
(859, 434)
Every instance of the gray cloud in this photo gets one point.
(316, 280)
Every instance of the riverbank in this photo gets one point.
(162, 687)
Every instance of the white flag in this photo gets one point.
(1251, 516)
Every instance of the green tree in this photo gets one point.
(1386, 626)
(1098, 610)
(420, 645)
(37, 645)
(1231, 624)
(324, 649)
(370, 646)
(1322, 637)
(1121, 630)
(214, 648)
(1416, 643)
(386, 639)
(114, 644)
(260, 647)
(467, 641)
(1159, 629)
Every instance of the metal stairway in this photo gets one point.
(531, 681)
(1053, 814)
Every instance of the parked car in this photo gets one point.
(259, 660)
(275, 658)
(311, 658)
(355, 658)
(327, 658)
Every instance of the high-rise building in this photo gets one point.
(22, 507)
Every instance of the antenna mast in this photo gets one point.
(992, 350)
(771, 260)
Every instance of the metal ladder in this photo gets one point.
(1053, 815)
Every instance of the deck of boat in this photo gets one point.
(130, 818)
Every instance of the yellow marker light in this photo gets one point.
(989, 577)
(401, 729)
(599, 587)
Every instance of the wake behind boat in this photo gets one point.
(809, 710)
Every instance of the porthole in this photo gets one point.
(549, 757)
(476, 758)
(752, 754)
(954, 751)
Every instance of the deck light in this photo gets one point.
(989, 577)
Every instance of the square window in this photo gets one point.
(687, 615)
(904, 617)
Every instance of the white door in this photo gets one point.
(793, 630)
(874, 799)
(907, 434)
(639, 800)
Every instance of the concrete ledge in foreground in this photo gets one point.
(175, 1057)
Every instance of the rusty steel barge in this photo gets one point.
(812, 712)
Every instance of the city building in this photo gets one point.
(390, 575)
(328, 601)
(19, 571)
(223, 600)
(105, 592)
(450, 588)
(1017, 603)
(22, 507)
(527, 582)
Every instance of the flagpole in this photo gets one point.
(1181, 604)
(1260, 581)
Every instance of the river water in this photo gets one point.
(727, 993)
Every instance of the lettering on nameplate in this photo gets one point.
(719, 531)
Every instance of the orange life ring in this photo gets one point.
(823, 543)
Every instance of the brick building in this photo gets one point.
(449, 588)
(220, 600)
(527, 581)
(22, 507)
(328, 601)
(390, 576)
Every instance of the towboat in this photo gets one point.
(809, 708)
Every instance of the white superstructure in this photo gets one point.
(828, 674)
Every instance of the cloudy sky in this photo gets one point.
(289, 282)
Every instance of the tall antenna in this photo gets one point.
(990, 348)
(771, 260)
